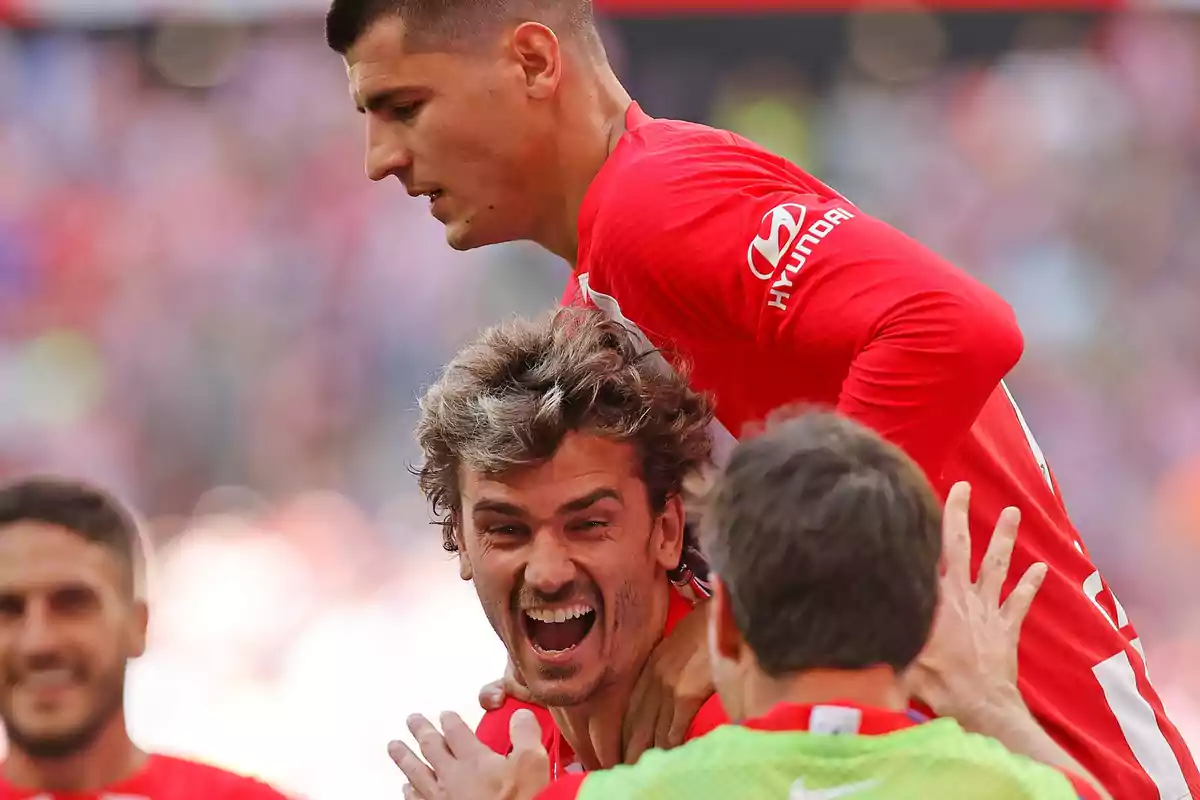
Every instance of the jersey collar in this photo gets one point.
(678, 607)
(838, 717)
(635, 117)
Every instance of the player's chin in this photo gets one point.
(49, 736)
(463, 235)
(565, 690)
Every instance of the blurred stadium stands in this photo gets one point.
(204, 304)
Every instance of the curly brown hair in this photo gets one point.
(507, 400)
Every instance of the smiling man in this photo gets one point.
(71, 617)
(555, 456)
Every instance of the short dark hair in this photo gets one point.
(84, 509)
(442, 21)
(827, 539)
(508, 399)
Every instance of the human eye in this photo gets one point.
(11, 606)
(504, 530)
(589, 525)
(406, 112)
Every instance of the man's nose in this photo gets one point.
(550, 567)
(387, 151)
(38, 633)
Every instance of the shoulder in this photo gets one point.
(965, 753)
(699, 166)
(493, 727)
(664, 773)
(681, 205)
(215, 782)
(691, 166)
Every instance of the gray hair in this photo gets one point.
(507, 400)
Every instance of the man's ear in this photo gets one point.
(138, 628)
(537, 51)
(667, 541)
(726, 638)
(464, 561)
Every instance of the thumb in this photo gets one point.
(529, 760)
(525, 732)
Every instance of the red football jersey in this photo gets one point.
(493, 728)
(777, 290)
(163, 778)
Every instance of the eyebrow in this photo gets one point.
(571, 506)
(376, 101)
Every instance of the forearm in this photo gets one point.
(1010, 722)
(923, 379)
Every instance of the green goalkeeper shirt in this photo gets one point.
(829, 752)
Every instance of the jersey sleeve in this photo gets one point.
(912, 345)
(493, 728)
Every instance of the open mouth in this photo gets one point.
(558, 630)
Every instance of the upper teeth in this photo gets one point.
(558, 614)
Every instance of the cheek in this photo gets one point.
(489, 146)
(626, 605)
(493, 586)
(463, 138)
(105, 646)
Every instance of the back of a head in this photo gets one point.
(827, 539)
(444, 24)
(86, 510)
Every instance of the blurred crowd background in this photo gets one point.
(207, 307)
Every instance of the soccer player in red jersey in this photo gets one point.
(555, 456)
(70, 619)
(778, 290)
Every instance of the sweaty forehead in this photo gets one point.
(35, 555)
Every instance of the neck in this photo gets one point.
(876, 687)
(109, 758)
(591, 124)
(593, 728)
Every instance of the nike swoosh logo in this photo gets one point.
(799, 792)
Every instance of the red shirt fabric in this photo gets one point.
(794, 717)
(493, 728)
(776, 290)
(163, 778)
